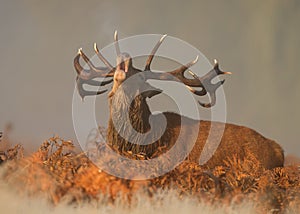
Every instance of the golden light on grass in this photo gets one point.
(60, 175)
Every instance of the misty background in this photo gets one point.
(259, 41)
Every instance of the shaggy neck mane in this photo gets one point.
(129, 115)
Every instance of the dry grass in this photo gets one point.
(59, 174)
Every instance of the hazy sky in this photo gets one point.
(259, 41)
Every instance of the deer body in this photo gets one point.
(131, 124)
(236, 141)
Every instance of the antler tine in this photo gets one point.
(101, 57)
(77, 65)
(82, 73)
(197, 92)
(176, 75)
(88, 61)
(204, 82)
(216, 67)
(179, 73)
(202, 92)
(83, 93)
(216, 64)
(150, 58)
(93, 72)
(97, 83)
(211, 89)
(117, 43)
(192, 62)
(207, 86)
(86, 76)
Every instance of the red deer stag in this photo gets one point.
(129, 124)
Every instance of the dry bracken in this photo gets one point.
(59, 173)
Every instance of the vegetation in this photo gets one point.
(59, 173)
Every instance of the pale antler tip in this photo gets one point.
(190, 88)
(215, 61)
(95, 47)
(116, 35)
(80, 51)
(227, 72)
(163, 37)
(196, 60)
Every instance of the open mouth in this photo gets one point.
(123, 67)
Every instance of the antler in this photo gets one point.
(86, 76)
(150, 58)
(117, 43)
(207, 86)
(178, 75)
(101, 57)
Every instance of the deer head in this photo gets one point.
(129, 97)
